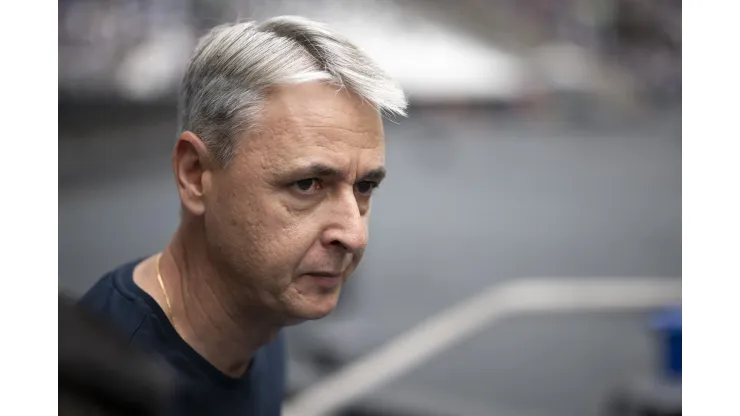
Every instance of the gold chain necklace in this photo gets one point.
(164, 291)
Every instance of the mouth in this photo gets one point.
(326, 279)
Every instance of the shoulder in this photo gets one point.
(270, 377)
(114, 299)
(275, 350)
(270, 361)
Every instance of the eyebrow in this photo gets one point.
(376, 174)
(316, 169)
(323, 170)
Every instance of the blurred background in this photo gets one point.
(543, 139)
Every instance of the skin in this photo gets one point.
(268, 240)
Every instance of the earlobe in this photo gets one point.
(189, 163)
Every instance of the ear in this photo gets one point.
(192, 168)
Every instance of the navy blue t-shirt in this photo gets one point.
(200, 388)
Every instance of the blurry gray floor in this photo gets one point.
(470, 200)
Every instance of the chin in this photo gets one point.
(311, 308)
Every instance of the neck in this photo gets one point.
(206, 312)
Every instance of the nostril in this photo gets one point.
(339, 244)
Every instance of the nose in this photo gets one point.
(347, 226)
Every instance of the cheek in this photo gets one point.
(269, 239)
(291, 242)
(236, 230)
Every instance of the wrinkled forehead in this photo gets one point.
(317, 123)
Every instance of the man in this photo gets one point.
(281, 147)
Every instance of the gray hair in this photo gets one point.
(233, 65)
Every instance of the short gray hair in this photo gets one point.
(233, 65)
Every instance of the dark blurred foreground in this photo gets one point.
(100, 373)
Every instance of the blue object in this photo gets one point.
(667, 324)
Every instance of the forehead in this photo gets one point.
(306, 122)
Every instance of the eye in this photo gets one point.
(307, 186)
(366, 187)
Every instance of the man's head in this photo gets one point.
(282, 146)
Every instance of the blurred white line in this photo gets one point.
(531, 295)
